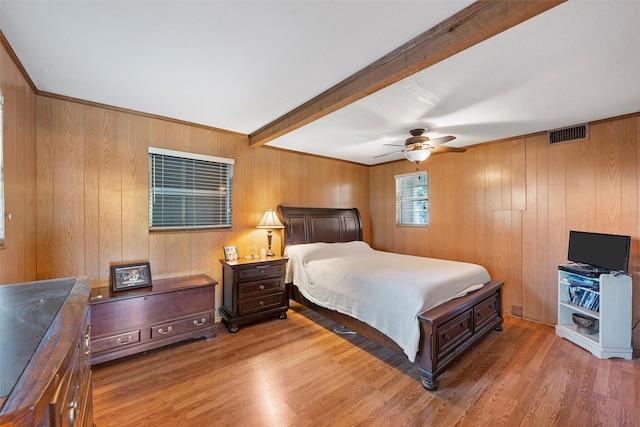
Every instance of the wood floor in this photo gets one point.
(297, 372)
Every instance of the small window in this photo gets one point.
(1, 175)
(189, 191)
(412, 199)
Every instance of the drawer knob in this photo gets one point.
(462, 325)
(73, 406)
(200, 323)
(87, 340)
(120, 341)
(445, 336)
(261, 271)
(261, 287)
(261, 303)
(163, 332)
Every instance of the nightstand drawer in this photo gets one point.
(260, 288)
(260, 304)
(180, 326)
(260, 270)
(115, 341)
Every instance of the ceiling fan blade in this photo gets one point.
(386, 154)
(437, 141)
(442, 150)
(394, 145)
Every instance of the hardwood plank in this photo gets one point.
(298, 372)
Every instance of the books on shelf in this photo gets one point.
(586, 295)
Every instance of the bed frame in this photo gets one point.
(446, 331)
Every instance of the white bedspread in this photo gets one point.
(385, 290)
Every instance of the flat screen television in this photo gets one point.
(603, 251)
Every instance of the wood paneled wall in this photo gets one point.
(93, 191)
(17, 259)
(510, 205)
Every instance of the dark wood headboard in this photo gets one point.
(309, 225)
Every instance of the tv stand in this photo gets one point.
(606, 300)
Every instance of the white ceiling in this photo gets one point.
(239, 65)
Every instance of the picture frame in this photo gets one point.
(230, 253)
(130, 276)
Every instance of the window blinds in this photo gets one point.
(412, 199)
(189, 191)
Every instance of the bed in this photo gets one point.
(328, 259)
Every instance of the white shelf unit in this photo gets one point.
(612, 337)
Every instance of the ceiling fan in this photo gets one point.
(418, 147)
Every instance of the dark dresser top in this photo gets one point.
(26, 312)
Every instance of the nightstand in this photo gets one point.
(253, 289)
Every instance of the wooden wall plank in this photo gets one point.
(47, 115)
(92, 151)
(17, 258)
(557, 230)
(608, 181)
(530, 268)
(518, 163)
(634, 262)
(112, 131)
(135, 193)
(68, 191)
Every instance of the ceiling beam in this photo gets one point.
(472, 25)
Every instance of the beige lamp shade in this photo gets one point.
(270, 220)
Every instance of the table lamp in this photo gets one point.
(270, 221)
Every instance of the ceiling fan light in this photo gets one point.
(417, 155)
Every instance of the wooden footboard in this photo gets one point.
(450, 329)
(446, 331)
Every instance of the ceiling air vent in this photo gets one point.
(573, 133)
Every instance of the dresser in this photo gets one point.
(253, 289)
(45, 354)
(172, 310)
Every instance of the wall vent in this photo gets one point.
(573, 133)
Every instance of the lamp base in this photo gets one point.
(269, 235)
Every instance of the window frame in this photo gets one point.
(190, 192)
(402, 200)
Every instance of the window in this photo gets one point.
(412, 199)
(1, 174)
(189, 191)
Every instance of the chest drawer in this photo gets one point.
(114, 341)
(259, 304)
(486, 311)
(260, 288)
(176, 327)
(255, 272)
(452, 332)
(131, 313)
